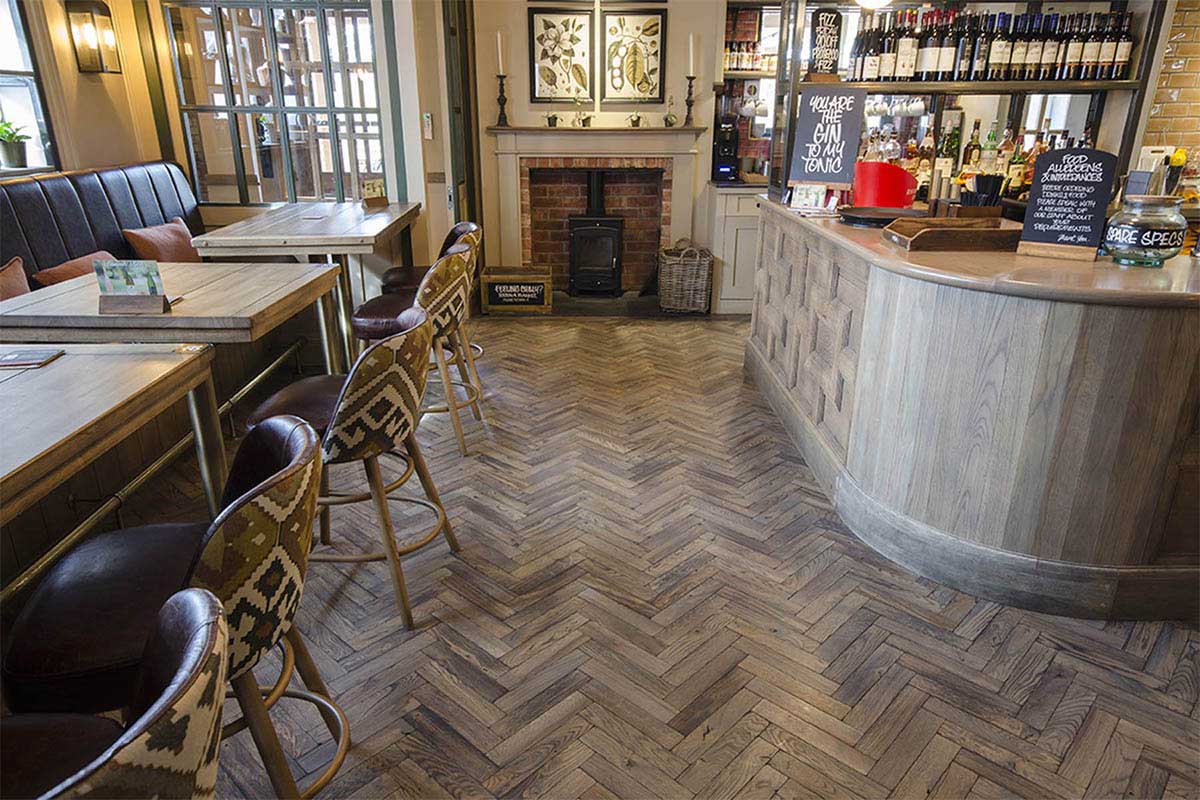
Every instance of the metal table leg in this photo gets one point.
(210, 447)
(345, 309)
(330, 346)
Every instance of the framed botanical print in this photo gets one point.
(560, 55)
(635, 52)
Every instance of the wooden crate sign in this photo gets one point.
(517, 291)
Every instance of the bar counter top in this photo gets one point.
(1177, 283)
(1026, 430)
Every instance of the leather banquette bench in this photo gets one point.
(52, 218)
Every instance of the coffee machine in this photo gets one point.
(725, 149)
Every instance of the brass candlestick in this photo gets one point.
(689, 100)
(502, 101)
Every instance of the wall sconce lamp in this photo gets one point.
(93, 35)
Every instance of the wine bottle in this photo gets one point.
(906, 48)
(989, 151)
(1120, 67)
(1091, 47)
(979, 50)
(887, 49)
(927, 49)
(947, 158)
(1033, 52)
(1049, 62)
(855, 73)
(1072, 63)
(946, 47)
(1000, 50)
(870, 70)
(1108, 47)
(965, 47)
(1020, 45)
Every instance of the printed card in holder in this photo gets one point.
(29, 358)
(374, 193)
(130, 287)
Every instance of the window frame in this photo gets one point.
(41, 112)
(332, 113)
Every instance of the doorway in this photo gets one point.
(465, 201)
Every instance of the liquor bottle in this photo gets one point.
(912, 158)
(1005, 153)
(1036, 149)
(1000, 51)
(1108, 47)
(1120, 67)
(989, 151)
(1033, 51)
(1016, 173)
(906, 48)
(981, 46)
(887, 47)
(946, 47)
(927, 49)
(1072, 60)
(947, 157)
(1091, 47)
(870, 69)
(1020, 45)
(965, 47)
(973, 152)
(1050, 42)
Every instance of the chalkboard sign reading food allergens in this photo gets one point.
(826, 41)
(827, 135)
(1065, 217)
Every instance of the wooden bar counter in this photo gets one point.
(1023, 429)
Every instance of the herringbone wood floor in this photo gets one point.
(654, 600)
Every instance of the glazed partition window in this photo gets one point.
(279, 99)
(21, 105)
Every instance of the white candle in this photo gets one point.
(691, 55)
(499, 53)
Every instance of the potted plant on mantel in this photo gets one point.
(635, 120)
(551, 119)
(12, 146)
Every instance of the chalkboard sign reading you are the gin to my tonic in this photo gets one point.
(827, 135)
(826, 41)
(1067, 203)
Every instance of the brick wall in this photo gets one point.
(1175, 112)
(637, 189)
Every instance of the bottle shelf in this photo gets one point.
(746, 74)
(992, 87)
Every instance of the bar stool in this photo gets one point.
(169, 744)
(77, 644)
(373, 411)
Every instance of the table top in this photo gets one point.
(219, 303)
(60, 417)
(1176, 283)
(311, 227)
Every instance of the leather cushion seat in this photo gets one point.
(311, 399)
(384, 316)
(399, 279)
(40, 751)
(77, 643)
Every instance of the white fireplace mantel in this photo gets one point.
(514, 143)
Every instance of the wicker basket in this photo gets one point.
(684, 277)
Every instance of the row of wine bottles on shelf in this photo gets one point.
(946, 46)
(992, 155)
(746, 56)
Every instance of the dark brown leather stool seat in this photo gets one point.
(77, 643)
(399, 279)
(311, 399)
(40, 751)
(383, 316)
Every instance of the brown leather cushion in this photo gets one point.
(13, 281)
(77, 643)
(311, 399)
(74, 268)
(40, 751)
(397, 279)
(384, 316)
(169, 242)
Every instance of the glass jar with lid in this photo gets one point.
(1147, 230)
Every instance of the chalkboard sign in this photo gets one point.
(1067, 203)
(826, 41)
(517, 289)
(827, 134)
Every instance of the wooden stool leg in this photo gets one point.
(375, 479)
(470, 354)
(324, 517)
(312, 677)
(451, 401)
(461, 361)
(422, 470)
(245, 688)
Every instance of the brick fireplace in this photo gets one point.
(555, 188)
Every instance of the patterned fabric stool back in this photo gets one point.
(472, 237)
(445, 291)
(381, 399)
(256, 552)
(169, 748)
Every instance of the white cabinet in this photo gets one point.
(733, 221)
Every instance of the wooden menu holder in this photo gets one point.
(375, 202)
(822, 77)
(977, 234)
(135, 304)
(1069, 252)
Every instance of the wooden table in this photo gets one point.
(60, 417)
(219, 303)
(348, 232)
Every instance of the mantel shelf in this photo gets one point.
(694, 130)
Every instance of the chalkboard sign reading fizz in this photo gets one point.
(827, 135)
(1065, 217)
(826, 41)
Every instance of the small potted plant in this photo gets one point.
(669, 119)
(12, 146)
(551, 119)
(635, 120)
(582, 118)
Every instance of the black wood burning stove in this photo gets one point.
(596, 240)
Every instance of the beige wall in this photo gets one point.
(704, 19)
(98, 119)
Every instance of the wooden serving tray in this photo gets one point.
(950, 233)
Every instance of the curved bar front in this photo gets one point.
(1024, 429)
